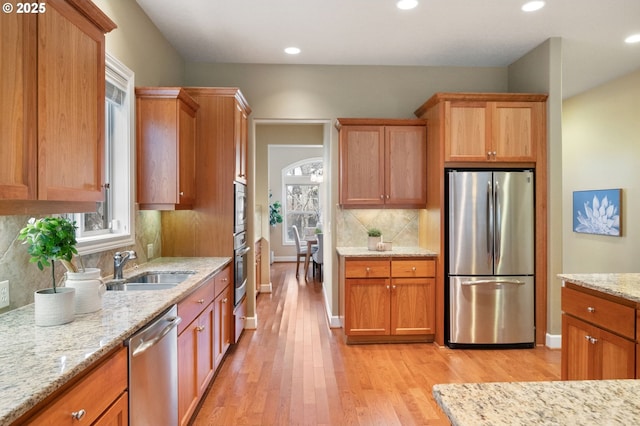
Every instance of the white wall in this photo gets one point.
(601, 150)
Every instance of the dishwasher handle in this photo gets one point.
(144, 345)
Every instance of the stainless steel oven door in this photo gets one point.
(241, 267)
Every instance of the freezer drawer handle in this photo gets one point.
(480, 282)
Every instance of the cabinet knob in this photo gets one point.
(200, 328)
(388, 196)
(381, 196)
(78, 414)
(393, 287)
(201, 301)
(591, 309)
(367, 269)
(224, 300)
(413, 268)
(181, 193)
(388, 287)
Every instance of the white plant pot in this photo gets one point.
(54, 308)
(89, 289)
(373, 243)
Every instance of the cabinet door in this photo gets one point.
(187, 387)
(412, 306)
(18, 107)
(117, 414)
(205, 330)
(406, 166)
(367, 307)
(187, 159)
(362, 165)
(617, 357)
(223, 313)
(71, 93)
(514, 128)
(240, 143)
(577, 351)
(466, 135)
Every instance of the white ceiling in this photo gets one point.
(469, 33)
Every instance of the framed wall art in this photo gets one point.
(597, 212)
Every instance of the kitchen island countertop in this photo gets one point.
(36, 361)
(395, 252)
(588, 402)
(624, 285)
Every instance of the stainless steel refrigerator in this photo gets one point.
(491, 258)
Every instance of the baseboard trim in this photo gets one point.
(251, 323)
(266, 288)
(334, 321)
(554, 341)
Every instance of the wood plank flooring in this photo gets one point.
(295, 370)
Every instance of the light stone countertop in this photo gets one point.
(395, 252)
(625, 285)
(589, 402)
(36, 361)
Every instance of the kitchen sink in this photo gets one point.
(149, 281)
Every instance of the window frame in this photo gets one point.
(122, 155)
(298, 180)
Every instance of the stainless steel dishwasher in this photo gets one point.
(153, 372)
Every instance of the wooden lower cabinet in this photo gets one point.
(99, 397)
(598, 337)
(203, 342)
(389, 300)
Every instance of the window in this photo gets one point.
(112, 224)
(301, 186)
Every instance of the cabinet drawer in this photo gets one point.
(94, 393)
(222, 280)
(192, 305)
(413, 268)
(604, 313)
(367, 268)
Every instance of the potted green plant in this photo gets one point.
(49, 239)
(375, 237)
(275, 212)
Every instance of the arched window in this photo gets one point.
(302, 186)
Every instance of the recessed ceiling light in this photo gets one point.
(292, 50)
(407, 4)
(532, 6)
(635, 38)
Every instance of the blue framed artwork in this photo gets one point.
(597, 212)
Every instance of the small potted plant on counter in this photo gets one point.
(50, 239)
(375, 237)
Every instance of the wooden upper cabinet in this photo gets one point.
(241, 142)
(166, 156)
(382, 163)
(490, 127)
(52, 103)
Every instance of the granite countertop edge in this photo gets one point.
(577, 402)
(395, 252)
(624, 285)
(55, 355)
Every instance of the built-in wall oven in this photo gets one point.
(241, 266)
(240, 208)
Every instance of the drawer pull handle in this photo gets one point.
(591, 340)
(591, 309)
(78, 415)
(201, 301)
(200, 328)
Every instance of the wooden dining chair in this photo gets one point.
(301, 250)
(317, 255)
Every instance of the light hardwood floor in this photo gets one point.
(294, 370)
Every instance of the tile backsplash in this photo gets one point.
(399, 226)
(25, 278)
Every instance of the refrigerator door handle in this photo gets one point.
(499, 282)
(497, 224)
(489, 227)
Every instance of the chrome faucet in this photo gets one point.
(119, 260)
